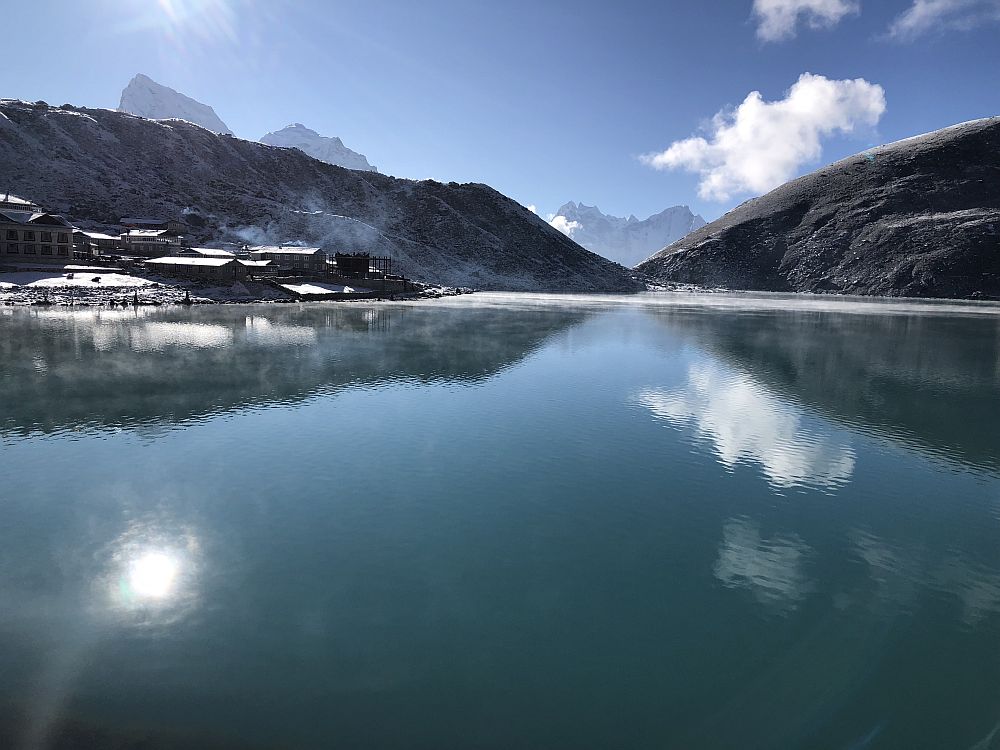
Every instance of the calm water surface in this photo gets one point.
(502, 522)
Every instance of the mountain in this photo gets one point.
(627, 241)
(97, 165)
(329, 150)
(916, 218)
(145, 97)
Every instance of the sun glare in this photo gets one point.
(152, 576)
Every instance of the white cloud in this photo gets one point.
(778, 19)
(761, 145)
(564, 225)
(746, 423)
(938, 15)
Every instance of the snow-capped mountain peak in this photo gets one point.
(625, 240)
(145, 97)
(327, 149)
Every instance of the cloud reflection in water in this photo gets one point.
(772, 569)
(746, 422)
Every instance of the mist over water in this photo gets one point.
(504, 521)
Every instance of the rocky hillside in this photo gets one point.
(98, 165)
(918, 218)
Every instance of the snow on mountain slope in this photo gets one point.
(626, 241)
(145, 97)
(329, 150)
(97, 165)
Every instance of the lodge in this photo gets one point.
(200, 267)
(150, 243)
(30, 235)
(167, 225)
(90, 244)
(294, 259)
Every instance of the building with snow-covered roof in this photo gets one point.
(206, 252)
(258, 267)
(13, 203)
(150, 243)
(170, 225)
(29, 234)
(291, 258)
(200, 267)
(96, 243)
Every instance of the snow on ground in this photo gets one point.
(320, 287)
(80, 279)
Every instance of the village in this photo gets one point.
(45, 259)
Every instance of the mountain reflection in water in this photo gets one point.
(929, 380)
(99, 369)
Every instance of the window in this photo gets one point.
(29, 249)
(12, 234)
(63, 237)
(29, 235)
(63, 250)
(46, 236)
(46, 249)
(12, 249)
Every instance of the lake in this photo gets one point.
(502, 521)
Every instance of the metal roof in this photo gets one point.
(260, 249)
(17, 204)
(212, 252)
(147, 233)
(191, 261)
(42, 218)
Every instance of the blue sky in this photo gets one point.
(546, 101)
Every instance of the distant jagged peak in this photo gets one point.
(329, 149)
(626, 240)
(146, 98)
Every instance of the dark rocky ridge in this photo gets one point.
(98, 165)
(916, 218)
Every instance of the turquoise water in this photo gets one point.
(504, 521)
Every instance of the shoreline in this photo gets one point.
(54, 289)
(148, 292)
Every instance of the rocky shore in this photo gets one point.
(115, 290)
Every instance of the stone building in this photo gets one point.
(294, 259)
(225, 270)
(28, 234)
(150, 243)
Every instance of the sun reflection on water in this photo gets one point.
(152, 575)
